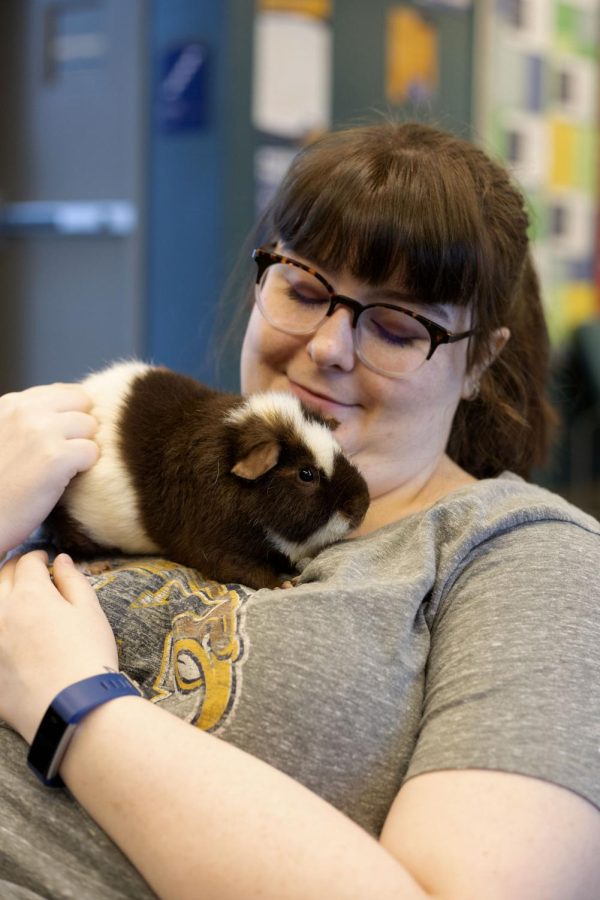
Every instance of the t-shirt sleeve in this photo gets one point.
(513, 677)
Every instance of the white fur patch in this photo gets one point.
(336, 528)
(279, 406)
(103, 499)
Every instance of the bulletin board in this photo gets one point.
(324, 63)
(409, 59)
(538, 109)
(291, 85)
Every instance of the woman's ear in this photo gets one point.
(496, 343)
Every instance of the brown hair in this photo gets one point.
(410, 201)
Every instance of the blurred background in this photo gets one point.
(140, 139)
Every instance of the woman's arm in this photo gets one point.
(199, 817)
(474, 834)
(45, 439)
(196, 816)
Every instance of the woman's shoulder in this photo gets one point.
(512, 529)
(510, 500)
(447, 534)
(485, 508)
(482, 509)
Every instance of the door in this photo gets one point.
(72, 122)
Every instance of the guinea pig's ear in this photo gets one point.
(258, 460)
(331, 423)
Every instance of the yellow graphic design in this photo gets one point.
(198, 671)
(106, 570)
(195, 669)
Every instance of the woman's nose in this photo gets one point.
(332, 344)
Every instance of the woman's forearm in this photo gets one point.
(200, 818)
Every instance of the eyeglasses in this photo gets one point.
(389, 339)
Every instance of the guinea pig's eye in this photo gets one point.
(308, 475)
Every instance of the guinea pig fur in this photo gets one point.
(240, 488)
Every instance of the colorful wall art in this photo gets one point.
(536, 102)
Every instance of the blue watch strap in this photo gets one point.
(62, 716)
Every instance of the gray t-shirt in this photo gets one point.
(465, 636)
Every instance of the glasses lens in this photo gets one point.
(291, 299)
(392, 341)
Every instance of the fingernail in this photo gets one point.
(64, 557)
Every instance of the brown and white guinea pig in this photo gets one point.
(241, 488)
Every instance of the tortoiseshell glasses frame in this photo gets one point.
(436, 334)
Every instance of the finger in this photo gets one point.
(62, 397)
(7, 575)
(72, 583)
(31, 570)
(78, 424)
(72, 396)
(33, 563)
(81, 454)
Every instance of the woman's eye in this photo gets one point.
(394, 328)
(393, 337)
(306, 297)
(307, 475)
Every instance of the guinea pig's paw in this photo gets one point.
(97, 567)
(288, 583)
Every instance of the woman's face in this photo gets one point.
(394, 429)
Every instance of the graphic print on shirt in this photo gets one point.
(189, 633)
(199, 664)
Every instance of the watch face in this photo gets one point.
(46, 750)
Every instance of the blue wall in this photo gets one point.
(185, 175)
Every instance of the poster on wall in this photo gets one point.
(411, 55)
(292, 89)
(541, 115)
(291, 98)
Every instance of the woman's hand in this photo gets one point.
(46, 437)
(51, 635)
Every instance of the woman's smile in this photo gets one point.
(319, 399)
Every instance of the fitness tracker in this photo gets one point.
(62, 716)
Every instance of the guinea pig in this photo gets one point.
(240, 488)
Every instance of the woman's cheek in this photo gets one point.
(251, 353)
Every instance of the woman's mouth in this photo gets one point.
(321, 402)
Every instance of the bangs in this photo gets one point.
(384, 211)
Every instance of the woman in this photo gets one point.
(418, 717)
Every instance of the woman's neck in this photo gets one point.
(414, 495)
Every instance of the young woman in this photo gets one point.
(418, 717)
